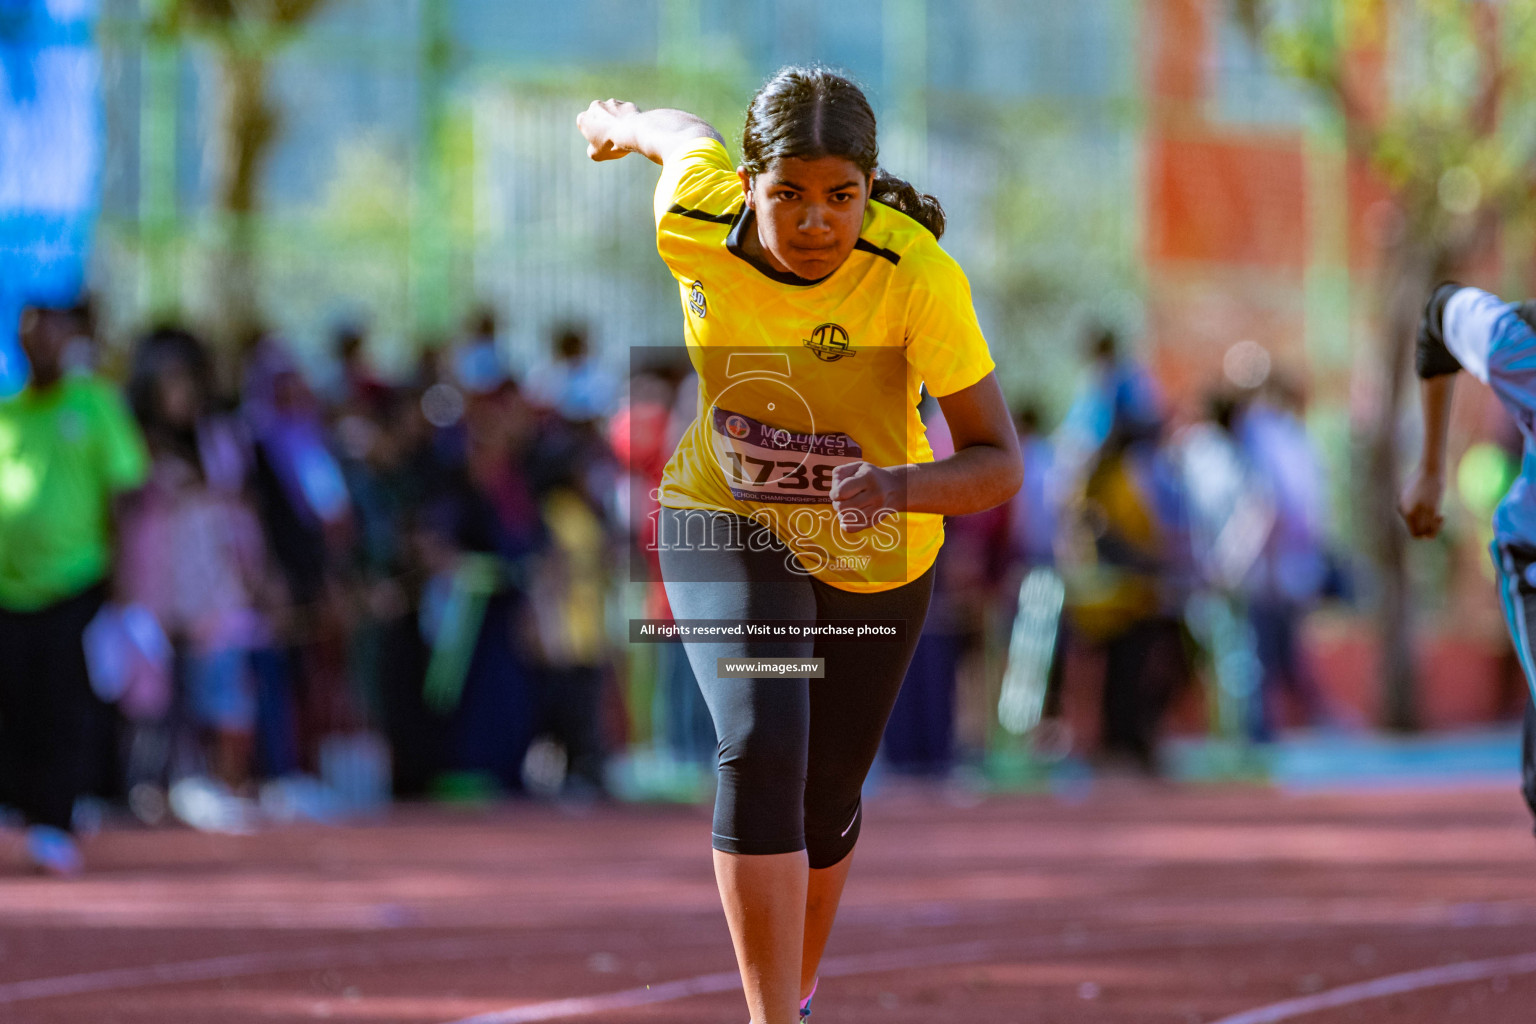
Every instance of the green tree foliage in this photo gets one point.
(244, 34)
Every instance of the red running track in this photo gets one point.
(1145, 904)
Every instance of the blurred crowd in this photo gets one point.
(1154, 561)
(235, 592)
(1187, 546)
(232, 590)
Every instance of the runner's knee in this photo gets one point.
(759, 802)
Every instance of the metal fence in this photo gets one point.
(426, 160)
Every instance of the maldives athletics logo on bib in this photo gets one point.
(737, 426)
(829, 342)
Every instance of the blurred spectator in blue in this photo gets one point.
(1116, 391)
(301, 491)
(475, 363)
(573, 382)
(68, 451)
(1130, 567)
(306, 514)
(1231, 515)
(1034, 512)
(1292, 566)
(193, 554)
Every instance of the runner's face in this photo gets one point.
(808, 212)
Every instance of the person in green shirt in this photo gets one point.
(68, 450)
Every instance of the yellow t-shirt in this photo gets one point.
(796, 377)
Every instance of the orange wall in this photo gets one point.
(1227, 200)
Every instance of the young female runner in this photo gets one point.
(805, 489)
(1470, 329)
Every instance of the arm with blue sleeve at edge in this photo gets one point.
(1437, 369)
(615, 128)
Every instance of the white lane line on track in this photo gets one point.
(241, 964)
(1391, 985)
(282, 961)
(725, 981)
(975, 952)
(279, 961)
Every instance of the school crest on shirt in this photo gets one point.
(696, 301)
(829, 342)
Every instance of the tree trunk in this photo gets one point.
(1409, 273)
(249, 126)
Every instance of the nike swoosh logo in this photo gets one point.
(850, 824)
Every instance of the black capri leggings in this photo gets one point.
(793, 752)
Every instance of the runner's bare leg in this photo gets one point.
(822, 895)
(765, 906)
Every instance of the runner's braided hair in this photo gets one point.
(806, 113)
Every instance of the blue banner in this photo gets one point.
(51, 140)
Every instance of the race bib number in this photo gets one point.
(769, 464)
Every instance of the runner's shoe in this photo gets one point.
(805, 1004)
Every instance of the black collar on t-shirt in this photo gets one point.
(747, 221)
